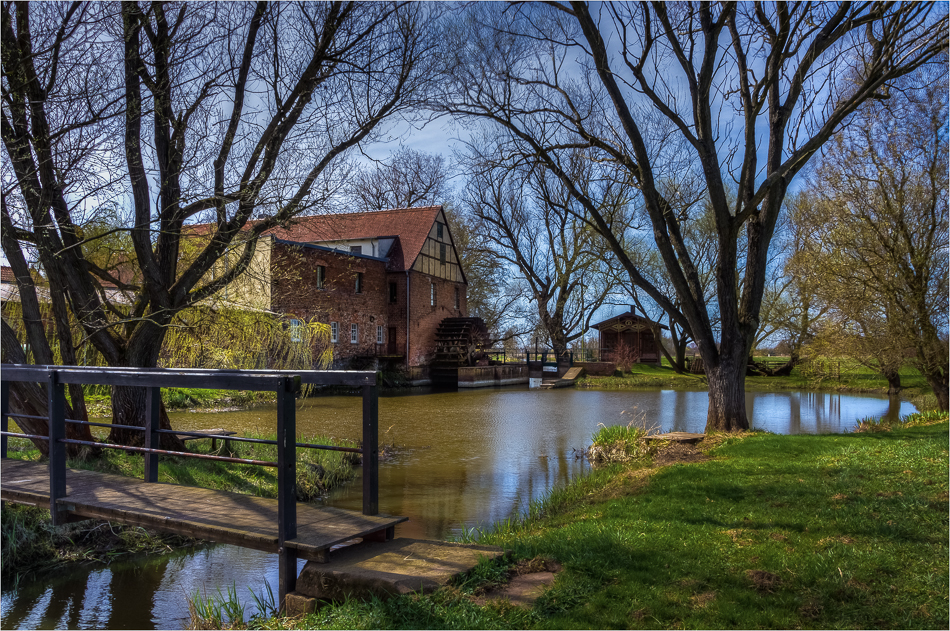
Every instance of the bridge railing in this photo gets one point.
(286, 384)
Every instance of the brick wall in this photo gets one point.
(425, 318)
(295, 292)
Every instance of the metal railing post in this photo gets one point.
(153, 401)
(4, 419)
(286, 486)
(371, 448)
(57, 449)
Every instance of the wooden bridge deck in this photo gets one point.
(218, 516)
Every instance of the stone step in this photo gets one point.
(382, 570)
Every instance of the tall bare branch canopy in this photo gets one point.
(754, 90)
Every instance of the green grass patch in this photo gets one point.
(31, 544)
(99, 400)
(620, 443)
(844, 376)
(805, 531)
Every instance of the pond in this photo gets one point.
(464, 459)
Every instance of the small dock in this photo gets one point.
(563, 382)
(219, 516)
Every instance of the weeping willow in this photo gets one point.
(86, 353)
(206, 337)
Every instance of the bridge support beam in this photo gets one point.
(56, 392)
(286, 487)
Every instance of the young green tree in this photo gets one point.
(882, 211)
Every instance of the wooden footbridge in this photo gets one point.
(280, 525)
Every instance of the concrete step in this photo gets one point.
(385, 569)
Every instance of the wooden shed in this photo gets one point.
(631, 331)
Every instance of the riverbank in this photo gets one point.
(762, 530)
(31, 545)
(849, 377)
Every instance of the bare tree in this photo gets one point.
(409, 178)
(754, 89)
(538, 232)
(236, 114)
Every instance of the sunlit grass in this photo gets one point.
(774, 531)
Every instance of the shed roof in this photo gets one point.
(625, 321)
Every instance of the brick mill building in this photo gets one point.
(384, 281)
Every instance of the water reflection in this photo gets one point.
(471, 458)
(137, 593)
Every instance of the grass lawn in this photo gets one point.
(852, 377)
(771, 531)
(99, 401)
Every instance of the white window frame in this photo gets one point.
(354, 333)
(295, 330)
(380, 339)
(334, 332)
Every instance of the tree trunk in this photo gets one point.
(31, 399)
(727, 411)
(893, 381)
(941, 385)
(128, 408)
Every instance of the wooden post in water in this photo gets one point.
(153, 402)
(57, 449)
(286, 486)
(371, 448)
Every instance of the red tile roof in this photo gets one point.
(410, 225)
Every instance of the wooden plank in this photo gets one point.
(221, 516)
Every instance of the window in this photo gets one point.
(334, 332)
(359, 282)
(432, 294)
(438, 229)
(354, 334)
(356, 249)
(393, 293)
(379, 335)
(321, 276)
(442, 253)
(295, 330)
(457, 298)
